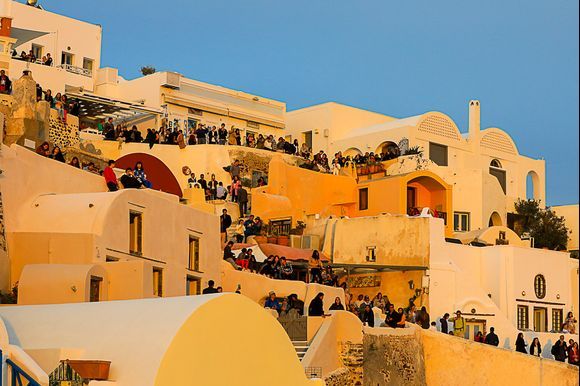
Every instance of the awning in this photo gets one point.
(95, 107)
(24, 35)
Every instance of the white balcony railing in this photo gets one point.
(76, 70)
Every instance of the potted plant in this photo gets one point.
(272, 236)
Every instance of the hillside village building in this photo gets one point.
(116, 277)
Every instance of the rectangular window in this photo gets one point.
(95, 289)
(461, 221)
(281, 227)
(111, 259)
(438, 154)
(557, 319)
(523, 321)
(158, 281)
(363, 199)
(88, 64)
(193, 263)
(66, 58)
(193, 285)
(135, 233)
(37, 51)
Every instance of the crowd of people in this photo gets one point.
(56, 154)
(133, 178)
(46, 60)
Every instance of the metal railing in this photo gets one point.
(313, 372)
(76, 70)
(17, 375)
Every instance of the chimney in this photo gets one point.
(474, 120)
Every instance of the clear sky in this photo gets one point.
(401, 58)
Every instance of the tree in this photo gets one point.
(148, 70)
(548, 229)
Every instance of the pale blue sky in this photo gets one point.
(401, 58)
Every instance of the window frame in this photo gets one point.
(67, 54)
(540, 286)
(459, 218)
(157, 278)
(363, 192)
(557, 322)
(194, 253)
(523, 317)
(190, 279)
(435, 145)
(37, 50)
(136, 235)
(92, 61)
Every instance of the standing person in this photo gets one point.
(225, 223)
(180, 140)
(458, 324)
(570, 324)
(235, 188)
(445, 325)
(212, 185)
(521, 344)
(478, 337)
(559, 350)
(424, 318)
(315, 266)
(110, 177)
(210, 288)
(316, 307)
(222, 134)
(235, 169)
(491, 338)
(574, 354)
(243, 201)
(536, 347)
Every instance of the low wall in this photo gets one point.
(454, 361)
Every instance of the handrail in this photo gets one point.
(16, 373)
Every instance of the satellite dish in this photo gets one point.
(32, 2)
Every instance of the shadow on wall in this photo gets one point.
(157, 172)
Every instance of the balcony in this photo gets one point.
(76, 70)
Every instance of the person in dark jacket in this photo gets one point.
(225, 223)
(393, 317)
(129, 180)
(536, 347)
(337, 305)
(316, 307)
(521, 344)
(491, 338)
(559, 350)
(210, 288)
(368, 316)
(424, 318)
(444, 325)
(243, 201)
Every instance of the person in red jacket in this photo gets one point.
(110, 177)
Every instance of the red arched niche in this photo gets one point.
(157, 172)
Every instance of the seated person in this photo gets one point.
(316, 306)
(393, 317)
(129, 181)
(253, 264)
(229, 255)
(272, 302)
(285, 269)
(242, 259)
(337, 305)
(368, 316)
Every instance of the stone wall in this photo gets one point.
(394, 359)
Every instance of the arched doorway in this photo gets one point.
(389, 150)
(495, 219)
(157, 172)
(426, 192)
(351, 152)
(496, 169)
(532, 186)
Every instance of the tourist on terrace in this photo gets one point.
(221, 192)
(240, 231)
(478, 337)
(536, 347)
(316, 307)
(368, 316)
(222, 134)
(393, 317)
(57, 154)
(458, 324)
(570, 324)
(212, 185)
(401, 323)
(253, 264)
(272, 302)
(560, 350)
(235, 169)
(521, 344)
(74, 162)
(212, 135)
(285, 270)
(140, 174)
(201, 133)
(242, 200)
(48, 60)
(445, 325)
(31, 57)
(202, 182)
(242, 259)
(235, 188)
(5, 83)
(210, 288)
(238, 137)
(191, 140)
(225, 223)
(267, 268)
(337, 305)
(315, 266)
(110, 177)
(491, 338)
(260, 142)
(229, 255)
(433, 327)
(48, 97)
(43, 149)
(423, 319)
(129, 180)
(573, 354)
(381, 302)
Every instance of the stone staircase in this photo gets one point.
(301, 346)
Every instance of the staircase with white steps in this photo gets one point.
(301, 346)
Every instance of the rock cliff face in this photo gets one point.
(394, 359)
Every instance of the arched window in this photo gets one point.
(540, 286)
(495, 164)
(532, 186)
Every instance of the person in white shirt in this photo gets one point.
(433, 327)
